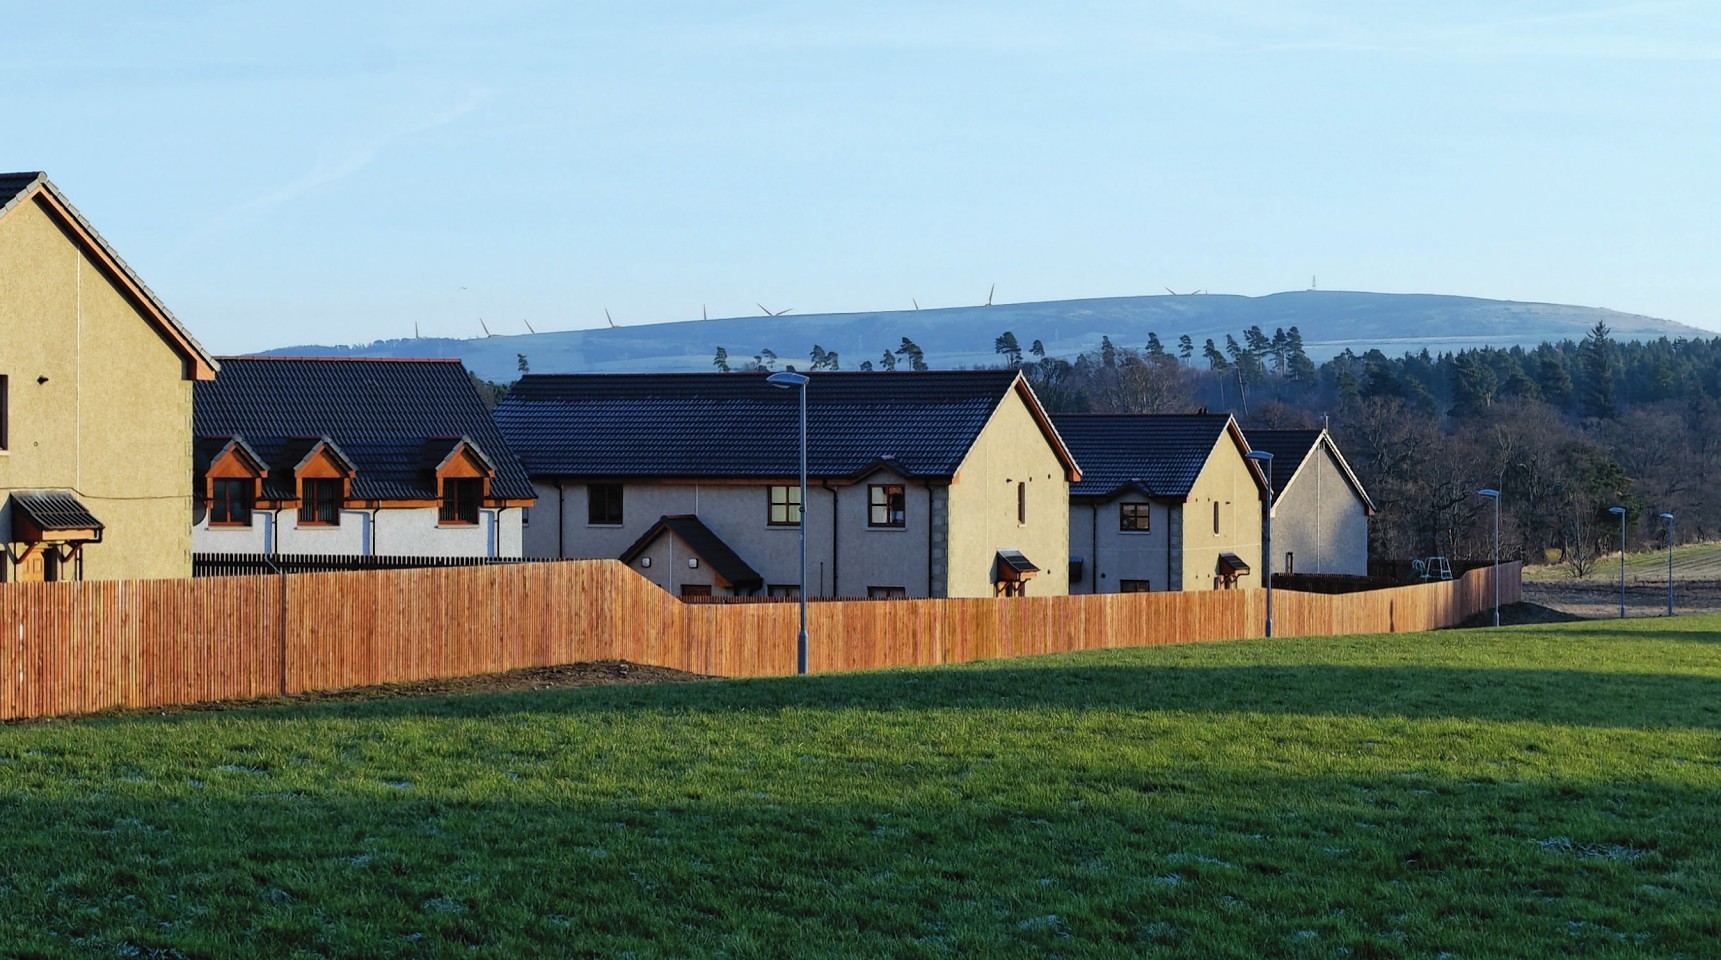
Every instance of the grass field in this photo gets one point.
(1692, 561)
(1527, 792)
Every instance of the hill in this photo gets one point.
(1330, 322)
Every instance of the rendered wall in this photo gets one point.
(393, 531)
(1110, 553)
(983, 517)
(111, 421)
(1226, 480)
(1319, 519)
(739, 514)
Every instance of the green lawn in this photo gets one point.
(1527, 792)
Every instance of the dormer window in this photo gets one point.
(460, 500)
(320, 501)
(230, 500)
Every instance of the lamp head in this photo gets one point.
(1490, 493)
(786, 379)
(1668, 517)
(1616, 511)
(1259, 455)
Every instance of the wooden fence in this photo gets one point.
(68, 648)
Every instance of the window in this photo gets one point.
(320, 501)
(1021, 503)
(696, 589)
(886, 593)
(603, 504)
(460, 499)
(785, 506)
(792, 590)
(230, 502)
(1216, 518)
(1134, 586)
(1135, 516)
(1290, 562)
(5, 411)
(886, 505)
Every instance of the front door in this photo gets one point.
(36, 564)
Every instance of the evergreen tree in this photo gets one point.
(1596, 362)
(1154, 347)
(888, 361)
(1185, 347)
(1038, 349)
(721, 361)
(912, 352)
(1006, 344)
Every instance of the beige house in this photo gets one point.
(1165, 502)
(95, 402)
(923, 484)
(1320, 509)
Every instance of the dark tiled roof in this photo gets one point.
(55, 510)
(1289, 449)
(737, 425)
(13, 185)
(1231, 563)
(1015, 560)
(726, 563)
(381, 415)
(1161, 454)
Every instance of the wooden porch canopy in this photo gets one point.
(53, 516)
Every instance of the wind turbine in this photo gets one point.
(608, 317)
(528, 324)
(487, 332)
(769, 312)
(989, 293)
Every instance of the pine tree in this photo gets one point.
(1595, 356)
(1185, 347)
(1006, 344)
(888, 361)
(721, 361)
(915, 356)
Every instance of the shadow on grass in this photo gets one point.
(1559, 696)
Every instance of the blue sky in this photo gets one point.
(335, 173)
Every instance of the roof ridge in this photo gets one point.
(346, 359)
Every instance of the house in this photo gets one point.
(923, 484)
(350, 456)
(95, 402)
(1320, 510)
(1165, 502)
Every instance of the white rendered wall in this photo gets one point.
(392, 531)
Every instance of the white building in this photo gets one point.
(352, 457)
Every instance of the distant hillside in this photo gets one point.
(1330, 321)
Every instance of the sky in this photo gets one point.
(329, 173)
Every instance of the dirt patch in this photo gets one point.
(1598, 599)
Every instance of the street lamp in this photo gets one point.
(788, 380)
(1669, 518)
(1494, 495)
(1620, 511)
(1266, 461)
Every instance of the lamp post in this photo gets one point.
(1494, 495)
(1266, 460)
(788, 380)
(1669, 518)
(1620, 512)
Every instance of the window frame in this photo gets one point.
(1021, 504)
(1135, 586)
(1216, 518)
(880, 499)
(790, 502)
(608, 509)
(222, 500)
(1135, 517)
(887, 593)
(316, 493)
(462, 501)
(5, 413)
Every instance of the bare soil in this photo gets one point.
(1597, 599)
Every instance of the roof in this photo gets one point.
(920, 424)
(54, 510)
(1291, 450)
(16, 189)
(1015, 560)
(391, 420)
(1231, 563)
(1156, 453)
(725, 562)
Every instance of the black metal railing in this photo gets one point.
(245, 564)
